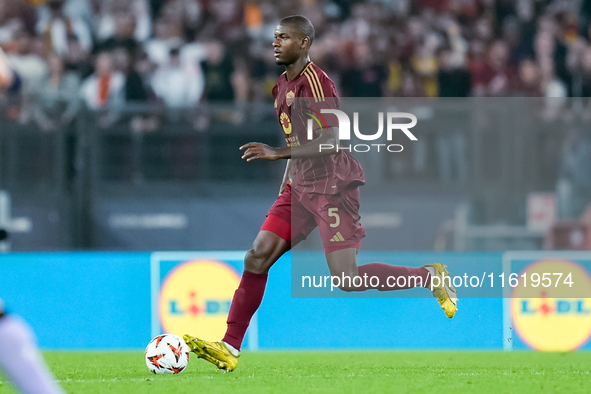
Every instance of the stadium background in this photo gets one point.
(133, 147)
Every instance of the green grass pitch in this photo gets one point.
(330, 372)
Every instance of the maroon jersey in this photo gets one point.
(312, 90)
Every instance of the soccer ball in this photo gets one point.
(167, 353)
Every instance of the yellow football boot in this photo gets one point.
(445, 293)
(216, 353)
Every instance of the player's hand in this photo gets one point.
(259, 151)
(284, 185)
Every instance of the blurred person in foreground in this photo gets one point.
(319, 189)
(20, 358)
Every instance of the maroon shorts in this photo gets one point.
(294, 215)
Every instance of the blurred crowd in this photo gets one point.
(181, 53)
(186, 57)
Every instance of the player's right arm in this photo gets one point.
(326, 138)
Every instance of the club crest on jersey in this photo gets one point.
(285, 123)
(289, 98)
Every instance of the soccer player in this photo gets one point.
(20, 359)
(319, 188)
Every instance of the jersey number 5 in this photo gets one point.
(332, 212)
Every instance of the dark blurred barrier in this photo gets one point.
(144, 178)
(34, 170)
(179, 185)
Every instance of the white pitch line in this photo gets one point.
(116, 380)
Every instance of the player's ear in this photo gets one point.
(305, 42)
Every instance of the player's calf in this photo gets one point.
(344, 282)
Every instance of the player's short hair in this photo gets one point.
(302, 23)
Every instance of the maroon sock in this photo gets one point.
(400, 277)
(245, 303)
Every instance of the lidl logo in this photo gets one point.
(195, 298)
(557, 306)
(556, 317)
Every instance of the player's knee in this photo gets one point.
(257, 260)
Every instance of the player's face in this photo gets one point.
(288, 45)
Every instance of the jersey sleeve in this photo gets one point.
(322, 94)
